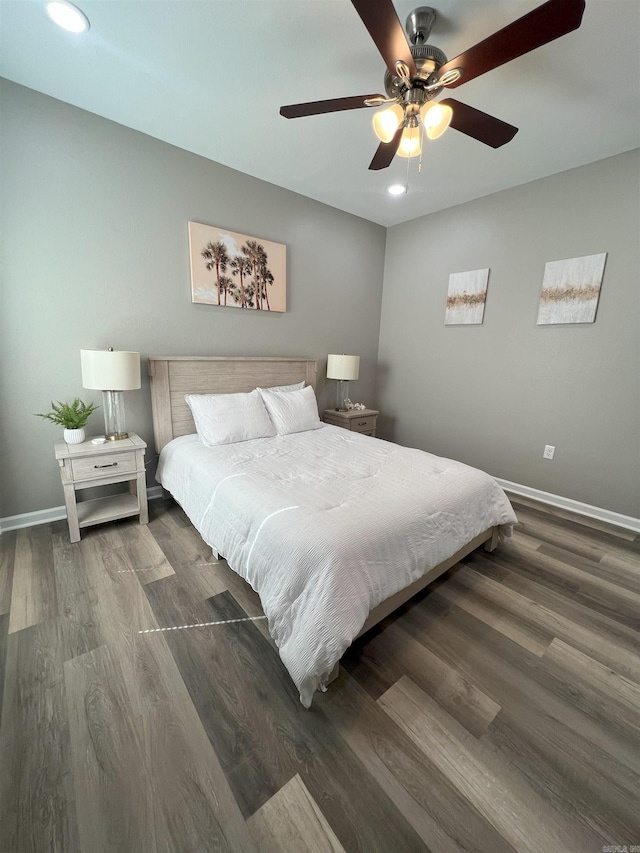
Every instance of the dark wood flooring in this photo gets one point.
(497, 712)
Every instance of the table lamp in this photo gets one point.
(111, 372)
(343, 368)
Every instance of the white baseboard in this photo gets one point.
(30, 519)
(54, 513)
(626, 521)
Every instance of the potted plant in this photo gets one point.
(72, 416)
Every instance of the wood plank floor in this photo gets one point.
(497, 712)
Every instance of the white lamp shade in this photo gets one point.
(106, 370)
(343, 367)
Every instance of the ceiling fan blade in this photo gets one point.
(548, 22)
(481, 126)
(331, 106)
(386, 151)
(381, 20)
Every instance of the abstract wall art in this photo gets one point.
(466, 297)
(571, 290)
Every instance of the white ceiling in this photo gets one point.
(210, 76)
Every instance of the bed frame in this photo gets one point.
(174, 376)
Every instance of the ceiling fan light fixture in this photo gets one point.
(410, 144)
(436, 118)
(409, 80)
(386, 122)
(396, 189)
(67, 16)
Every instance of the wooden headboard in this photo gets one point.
(174, 376)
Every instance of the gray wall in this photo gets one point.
(94, 253)
(494, 395)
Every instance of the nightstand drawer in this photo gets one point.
(363, 424)
(363, 421)
(90, 467)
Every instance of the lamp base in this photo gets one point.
(343, 395)
(114, 422)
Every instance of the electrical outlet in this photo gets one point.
(549, 450)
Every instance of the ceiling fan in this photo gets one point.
(417, 73)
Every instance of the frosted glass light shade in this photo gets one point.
(386, 122)
(106, 370)
(436, 118)
(410, 144)
(343, 367)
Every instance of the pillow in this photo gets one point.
(227, 418)
(295, 411)
(296, 387)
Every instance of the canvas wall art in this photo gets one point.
(466, 297)
(571, 290)
(235, 270)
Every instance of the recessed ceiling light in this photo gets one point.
(67, 16)
(396, 189)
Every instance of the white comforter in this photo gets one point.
(325, 525)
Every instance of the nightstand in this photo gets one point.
(363, 421)
(86, 465)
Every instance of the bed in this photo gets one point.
(334, 530)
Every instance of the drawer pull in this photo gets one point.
(110, 465)
(362, 423)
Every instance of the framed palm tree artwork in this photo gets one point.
(235, 270)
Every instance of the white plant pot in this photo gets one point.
(74, 436)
